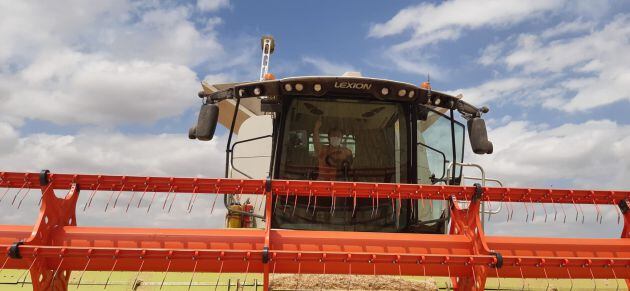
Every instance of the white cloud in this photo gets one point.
(590, 154)
(575, 72)
(444, 20)
(326, 67)
(568, 27)
(495, 89)
(108, 63)
(92, 151)
(212, 5)
(72, 88)
(431, 24)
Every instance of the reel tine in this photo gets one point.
(168, 268)
(590, 269)
(168, 195)
(135, 280)
(118, 196)
(373, 203)
(520, 268)
(4, 194)
(510, 210)
(582, 211)
(216, 196)
(564, 212)
(295, 198)
(526, 211)
(25, 273)
(152, 199)
(111, 271)
(531, 203)
(354, 200)
(173, 201)
(413, 202)
(52, 281)
(310, 194)
(88, 203)
(246, 270)
(545, 210)
(577, 212)
(555, 210)
(133, 196)
(286, 201)
(109, 199)
(277, 202)
(600, 216)
(193, 199)
(496, 270)
(570, 279)
(5, 263)
(314, 204)
(618, 212)
(448, 281)
(377, 201)
(83, 272)
(18, 192)
(194, 270)
(614, 274)
(333, 199)
(220, 272)
(349, 272)
(144, 192)
(22, 199)
(546, 278)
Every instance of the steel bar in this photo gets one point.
(312, 188)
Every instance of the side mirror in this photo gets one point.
(206, 123)
(478, 135)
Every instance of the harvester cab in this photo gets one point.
(342, 128)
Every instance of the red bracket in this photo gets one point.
(467, 222)
(624, 207)
(268, 216)
(54, 214)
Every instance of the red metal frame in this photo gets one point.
(55, 246)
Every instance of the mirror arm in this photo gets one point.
(218, 96)
(469, 111)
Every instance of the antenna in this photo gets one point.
(267, 45)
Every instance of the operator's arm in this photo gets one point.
(316, 142)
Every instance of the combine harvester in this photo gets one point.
(340, 175)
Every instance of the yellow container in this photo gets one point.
(234, 219)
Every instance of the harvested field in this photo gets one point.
(345, 282)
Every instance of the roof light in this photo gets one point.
(437, 101)
(317, 87)
(269, 77)
(299, 87)
(385, 91)
(288, 87)
(402, 92)
(412, 93)
(257, 91)
(241, 92)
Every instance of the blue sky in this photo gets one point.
(110, 87)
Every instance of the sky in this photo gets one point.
(110, 86)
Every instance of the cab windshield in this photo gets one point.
(338, 139)
(345, 140)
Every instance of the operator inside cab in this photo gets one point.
(334, 158)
